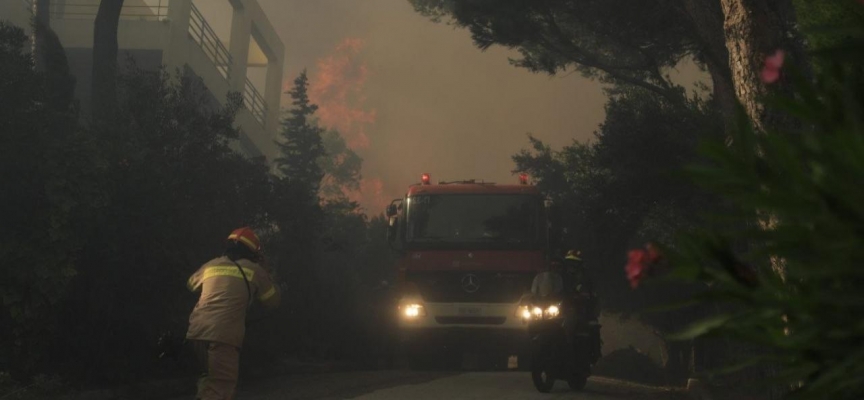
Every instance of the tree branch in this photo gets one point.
(576, 54)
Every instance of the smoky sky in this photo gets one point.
(427, 99)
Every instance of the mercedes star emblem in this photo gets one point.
(470, 283)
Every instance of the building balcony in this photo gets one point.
(176, 34)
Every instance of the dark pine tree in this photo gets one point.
(301, 147)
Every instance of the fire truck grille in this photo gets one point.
(471, 287)
(471, 320)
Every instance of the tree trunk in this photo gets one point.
(50, 60)
(755, 29)
(42, 23)
(706, 20)
(103, 96)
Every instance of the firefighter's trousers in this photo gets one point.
(220, 366)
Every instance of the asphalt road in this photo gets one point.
(409, 385)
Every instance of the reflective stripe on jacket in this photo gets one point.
(220, 314)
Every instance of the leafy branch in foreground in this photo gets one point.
(807, 182)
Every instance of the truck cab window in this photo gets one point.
(474, 218)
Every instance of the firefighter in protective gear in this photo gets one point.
(228, 284)
(579, 287)
(576, 278)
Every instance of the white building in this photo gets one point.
(175, 33)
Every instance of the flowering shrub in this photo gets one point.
(640, 262)
(787, 262)
(771, 69)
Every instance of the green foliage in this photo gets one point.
(106, 222)
(798, 195)
(623, 42)
(321, 241)
(626, 187)
(378, 258)
(59, 83)
(340, 164)
(172, 190)
(295, 245)
(301, 146)
(41, 195)
(819, 20)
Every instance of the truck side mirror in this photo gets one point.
(392, 213)
(392, 228)
(393, 208)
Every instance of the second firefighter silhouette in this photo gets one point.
(579, 288)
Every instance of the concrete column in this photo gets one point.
(241, 33)
(179, 15)
(273, 94)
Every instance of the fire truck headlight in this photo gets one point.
(552, 311)
(537, 311)
(412, 311)
(523, 312)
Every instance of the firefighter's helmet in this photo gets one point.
(246, 236)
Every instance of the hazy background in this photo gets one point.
(419, 97)
(412, 96)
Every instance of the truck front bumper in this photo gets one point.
(465, 327)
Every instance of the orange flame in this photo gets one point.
(370, 196)
(336, 87)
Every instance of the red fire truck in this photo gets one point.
(468, 252)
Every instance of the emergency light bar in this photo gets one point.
(425, 178)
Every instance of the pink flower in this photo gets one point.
(636, 266)
(641, 262)
(771, 69)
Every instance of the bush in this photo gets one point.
(794, 287)
(44, 160)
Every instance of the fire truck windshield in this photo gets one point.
(474, 220)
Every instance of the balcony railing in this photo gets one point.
(254, 102)
(203, 34)
(73, 10)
